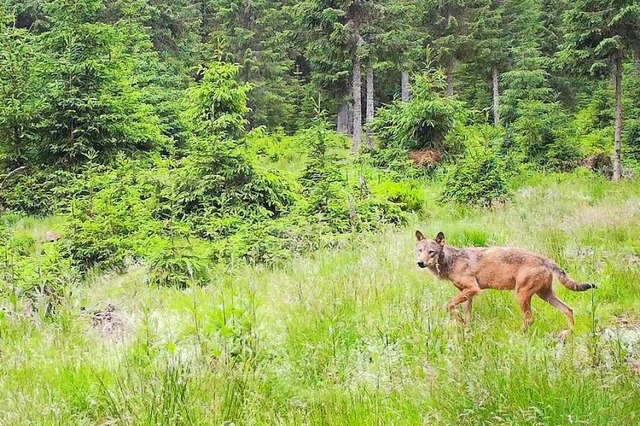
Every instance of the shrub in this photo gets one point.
(478, 178)
(178, 264)
(341, 204)
(37, 192)
(545, 137)
(600, 163)
(325, 193)
(218, 105)
(632, 138)
(41, 274)
(407, 194)
(421, 123)
(218, 175)
(395, 159)
(112, 216)
(24, 245)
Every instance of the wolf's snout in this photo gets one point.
(421, 264)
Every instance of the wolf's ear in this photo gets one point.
(440, 238)
(419, 236)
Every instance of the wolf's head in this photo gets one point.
(428, 251)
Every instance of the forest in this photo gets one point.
(207, 209)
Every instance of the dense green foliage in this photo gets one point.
(226, 168)
(424, 121)
(163, 125)
(186, 136)
(480, 176)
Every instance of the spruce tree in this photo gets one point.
(600, 35)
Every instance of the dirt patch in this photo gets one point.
(626, 334)
(426, 158)
(599, 163)
(108, 320)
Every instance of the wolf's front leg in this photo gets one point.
(467, 311)
(465, 296)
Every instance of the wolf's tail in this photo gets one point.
(566, 281)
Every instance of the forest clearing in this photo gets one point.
(355, 335)
(208, 211)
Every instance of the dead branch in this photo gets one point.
(11, 173)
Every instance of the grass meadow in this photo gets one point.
(356, 335)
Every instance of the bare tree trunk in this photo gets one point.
(342, 125)
(350, 109)
(357, 97)
(370, 110)
(496, 95)
(449, 72)
(350, 117)
(405, 86)
(617, 151)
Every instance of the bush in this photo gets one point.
(407, 194)
(421, 123)
(218, 105)
(325, 190)
(217, 177)
(178, 264)
(478, 178)
(418, 124)
(632, 138)
(545, 137)
(396, 160)
(329, 198)
(37, 192)
(41, 274)
(112, 217)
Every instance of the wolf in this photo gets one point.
(474, 269)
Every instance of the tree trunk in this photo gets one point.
(617, 151)
(342, 125)
(357, 96)
(370, 110)
(496, 95)
(405, 86)
(449, 72)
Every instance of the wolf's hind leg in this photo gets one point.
(524, 298)
(550, 297)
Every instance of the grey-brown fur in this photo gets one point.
(474, 269)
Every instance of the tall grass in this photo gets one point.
(355, 336)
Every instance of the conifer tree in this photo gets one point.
(452, 24)
(601, 33)
(19, 93)
(91, 104)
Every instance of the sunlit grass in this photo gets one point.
(355, 336)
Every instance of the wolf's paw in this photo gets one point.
(563, 336)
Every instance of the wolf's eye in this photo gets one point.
(431, 252)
